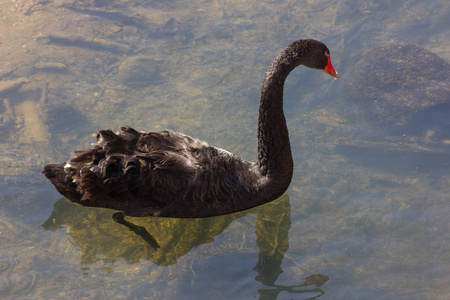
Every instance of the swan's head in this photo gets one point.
(315, 55)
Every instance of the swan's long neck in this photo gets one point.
(274, 150)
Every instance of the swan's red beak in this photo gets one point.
(329, 69)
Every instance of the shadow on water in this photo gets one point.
(311, 285)
(396, 161)
(101, 239)
(418, 147)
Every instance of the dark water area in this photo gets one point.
(366, 214)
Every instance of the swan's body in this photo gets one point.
(173, 175)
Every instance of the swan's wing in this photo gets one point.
(151, 167)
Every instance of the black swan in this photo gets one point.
(170, 174)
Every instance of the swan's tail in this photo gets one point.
(53, 172)
(61, 180)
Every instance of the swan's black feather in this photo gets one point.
(159, 172)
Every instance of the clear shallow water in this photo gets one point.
(366, 215)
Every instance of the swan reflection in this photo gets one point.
(102, 239)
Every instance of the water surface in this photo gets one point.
(365, 217)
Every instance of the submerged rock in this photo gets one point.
(139, 71)
(50, 67)
(7, 86)
(391, 84)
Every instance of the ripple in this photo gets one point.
(17, 284)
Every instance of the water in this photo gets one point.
(365, 217)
